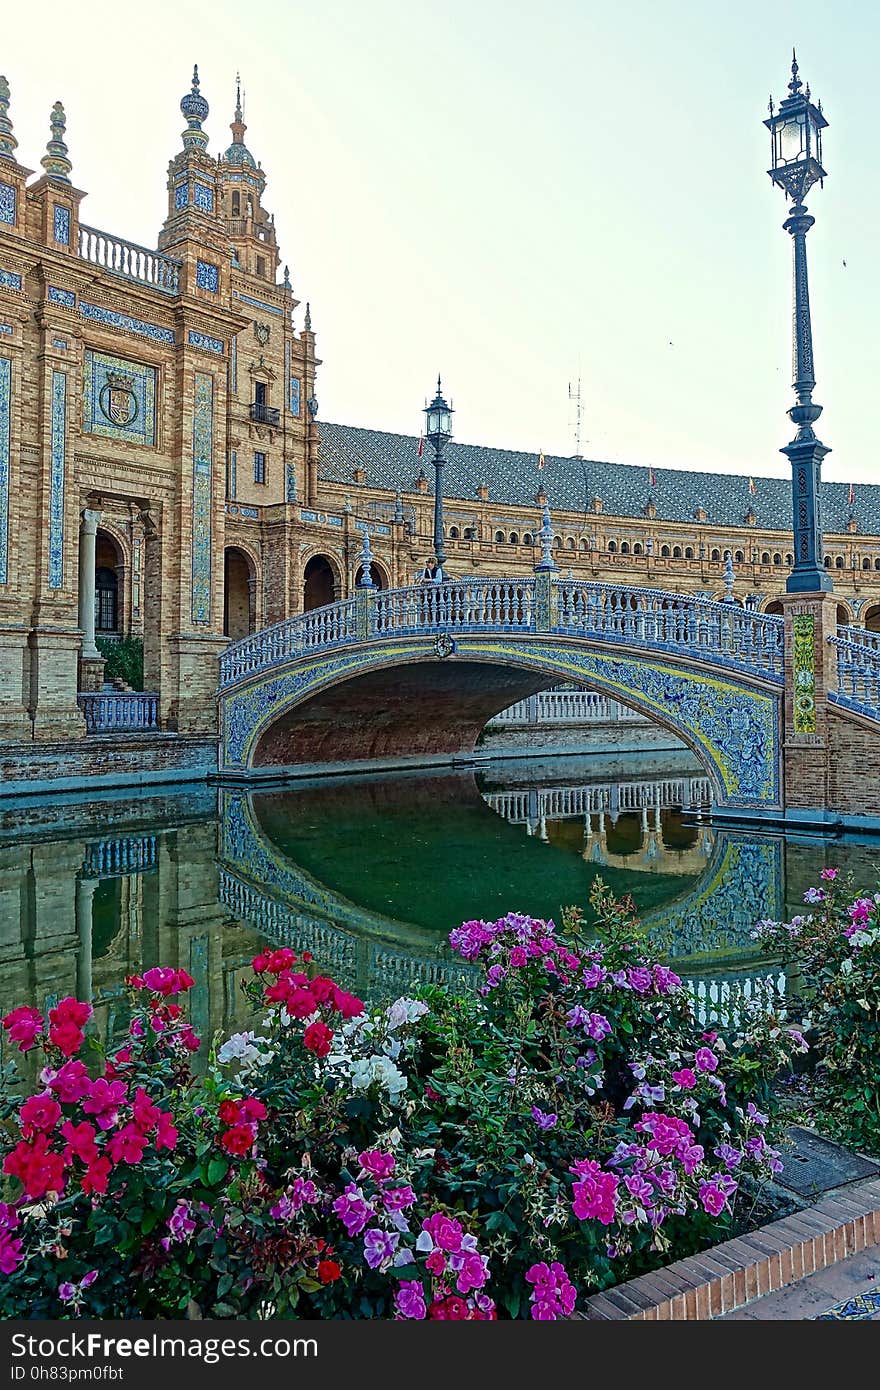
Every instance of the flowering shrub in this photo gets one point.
(442, 1158)
(836, 948)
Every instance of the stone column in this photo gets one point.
(85, 893)
(91, 662)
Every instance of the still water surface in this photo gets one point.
(370, 874)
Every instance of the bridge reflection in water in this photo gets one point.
(372, 873)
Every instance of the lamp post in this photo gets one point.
(796, 154)
(438, 429)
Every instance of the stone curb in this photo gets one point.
(730, 1275)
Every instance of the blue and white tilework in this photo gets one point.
(233, 473)
(203, 459)
(201, 340)
(56, 480)
(181, 195)
(10, 279)
(7, 204)
(208, 276)
(294, 395)
(61, 224)
(6, 328)
(291, 482)
(5, 422)
(126, 322)
(117, 411)
(259, 303)
(233, 365)
(61, 344)
(203, 197)
(67, 298)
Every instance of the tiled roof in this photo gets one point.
(390, 461)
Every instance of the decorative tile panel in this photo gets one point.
(119, 399)
(10, 279)
(203, 197)
(233, 473)
(56, 480)
(233, 365)
(203, 461)
(7, 204)
(61, 344)
(5, 422)
(126, 322)
(181, 195)
(6, 328)
(258, 303)
(804, 673)
(61, 224)
(207, 275)
(65, 297)
(201, 340)
(291, 482)
(294, 395)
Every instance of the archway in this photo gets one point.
(844, 616)
(109, 572)
(872, 618)
(377, 570)
(774, 608)
(319, 583)
(239, 594)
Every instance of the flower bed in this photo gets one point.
(469, 1156)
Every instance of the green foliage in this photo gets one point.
(124, 658)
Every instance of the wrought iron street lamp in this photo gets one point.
(796, 155)
(438, 429)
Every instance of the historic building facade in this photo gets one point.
(164, 474)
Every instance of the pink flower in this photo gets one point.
(829, 874)
(444, 1230)
(860, 911)
(144, 1113)
(378, 1165)
(10, 1249)
(162, 979)
(70, 1082)
(553, 1295)
(705, 1059)
(409, 1300)
(595, 1195)
(95, 1178)
(80, 1141)
(23, 1025)
(166, 1134)
(103, 1101)
(39, 1114)
(685, 1079)
(127, 1145)
(352, 1209)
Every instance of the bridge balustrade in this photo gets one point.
(858, 671)
(470, 603)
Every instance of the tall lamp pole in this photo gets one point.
(438, 429)
(796, 155)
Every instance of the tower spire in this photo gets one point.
(8, 142)
(195, 110)
(55, 160)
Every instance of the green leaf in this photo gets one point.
(217, 1170)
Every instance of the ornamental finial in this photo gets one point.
(8, 142)
(287, 284)
(308, 320)
(55, 160)
(238, 126)
(729, 578)
(795, 84)
(545, 535)
(366, 560)
(195, 110)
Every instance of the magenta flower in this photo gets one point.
(410, 1299)
(595, 1194)
(379, 1247)
(352, 1209)
(103, 1101)
(378, 1165)
(685, 1078)
(705, 1059)
(553, 1295)
(829, 874)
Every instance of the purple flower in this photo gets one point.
(67, 1292)
(352, 1209)
(729, 1156)
(754, 1114)
(814, 895)
(410, 1299)
(180, 1222)
(829, 874)
(542, 1120)
(379, 1247)
(641, 979)
(598, 1027)
(398, 1198)
(705, 1059)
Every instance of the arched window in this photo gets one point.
(664, 551)
(527, 540)
(838, 563)
(866, 563)
(765, 557)
(688, 552)
(583, 545)
(789, 559)
(637, 548)
(877, 564)
(716, 555)
(557, 542)
(777, 558)
(676, 552)
(106, 600)
(453, 533)
(570, 543)
(470, 533)
(828, 562)
(499, 537)
(612, 547)
(514, 538)
(739, 557)
(624, 547)
(236, 203)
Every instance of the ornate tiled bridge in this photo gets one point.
(415, 673)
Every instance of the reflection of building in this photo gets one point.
(163, 472)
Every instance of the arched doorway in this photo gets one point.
(844, 617)
(108, 586)
(378, 571)
(872, 619)
(774, 608)
(319, 583)
(239, 594)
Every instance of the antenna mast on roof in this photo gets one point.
(578, 414)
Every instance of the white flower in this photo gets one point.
(405, 1011)
(242, 1048)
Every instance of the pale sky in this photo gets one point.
(511, 193)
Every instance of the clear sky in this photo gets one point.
(513, 193)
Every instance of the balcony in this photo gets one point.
(265, 414)
(128, 260)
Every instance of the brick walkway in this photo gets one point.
(845, 1292)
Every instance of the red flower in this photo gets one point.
(190, 1041)
(70, 1083)
(80, 1141)
(251, 1109)
(38, 1168)
(127, 1145)
(70, 1010)
(144, 1113)
(451, 1309)
(166, 1134)
(39, 1114)
(280, 960)
(162, 979)
(328, 1271)
(238, 1140)
(318, 1038)
(66, 1037)
(23, 1025)
(229, 1112)
(300, 1003)
(260, 963)
(94, 1179)
(348, 1004)
(322, 988)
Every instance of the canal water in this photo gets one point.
(371, 873)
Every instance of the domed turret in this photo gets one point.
(195, 110)
(238, 152)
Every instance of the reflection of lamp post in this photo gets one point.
(438, 429)
(796, 154)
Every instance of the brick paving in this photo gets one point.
(847, 1291)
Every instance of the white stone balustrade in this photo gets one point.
(118, 711)
(126, 258)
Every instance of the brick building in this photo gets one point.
(164, 473)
